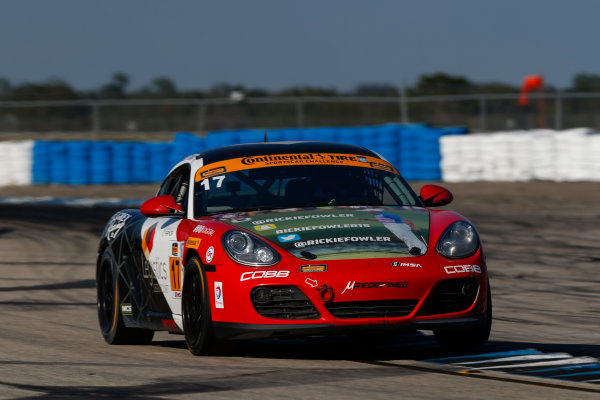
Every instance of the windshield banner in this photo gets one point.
(276, 160)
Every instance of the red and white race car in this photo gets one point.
(286, 239)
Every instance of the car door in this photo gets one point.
(160, 245)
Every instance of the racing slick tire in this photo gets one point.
(467, 339)
(195, 308)
(110, 290)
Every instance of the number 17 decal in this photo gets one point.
(175, 271)
(206, 182)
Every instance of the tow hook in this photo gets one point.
(326, 293)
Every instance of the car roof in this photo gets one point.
(255, 149)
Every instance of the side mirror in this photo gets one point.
(435, 196)
(161, 206)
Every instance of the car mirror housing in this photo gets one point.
(161, 206)
(435, 196)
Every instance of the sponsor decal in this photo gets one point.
(204, 230)
(265, 227)
(210, 252)
(300, 217)
(321, 227)
(175, 249)
(381, 166)
(352, 285)
(263, 274)
(219, 295)
(313, 268)
(288, 238)
(212, 172)
(168, 233)
(116, 223)
(405, 264)
(343, 240)
(159, 268)
(126, 309)
(457, 269)
(311, 282)
(193, 243)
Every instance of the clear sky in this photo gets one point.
(275, 44)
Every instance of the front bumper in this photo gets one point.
(227, 330)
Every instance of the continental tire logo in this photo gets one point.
(284, 157)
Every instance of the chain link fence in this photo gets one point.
(124, 119)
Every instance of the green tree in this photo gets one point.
(5, 87)
(52, 89)
(586, 83)
(162, 87)
(442, 83)
(116, 88)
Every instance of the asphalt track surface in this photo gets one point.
(543, 255)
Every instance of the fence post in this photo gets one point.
(96, 120)
(403, 105)
(482, 114)
(299, 114)
(200, 123)
(558, 112)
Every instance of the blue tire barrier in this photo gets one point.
(79, 162)
(40, 169)
(59, 169)
(122, 164)
(101, 163)
(413, 149)
(140, 163)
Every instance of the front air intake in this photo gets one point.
(282, 302)
(371, 309)
(452, 295)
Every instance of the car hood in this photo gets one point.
(329, 233)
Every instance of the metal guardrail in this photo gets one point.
(479, 112)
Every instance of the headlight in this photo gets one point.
(459, 240)
(249, 250)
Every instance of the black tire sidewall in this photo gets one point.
(108, 326)
(197, 344)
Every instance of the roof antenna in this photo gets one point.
(266, 138)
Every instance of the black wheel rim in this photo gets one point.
(193, 309)
(106, 297)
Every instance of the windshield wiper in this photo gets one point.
(245, 209)
(359, 203)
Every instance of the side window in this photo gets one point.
(177, 185)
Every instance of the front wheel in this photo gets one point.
(467, 339)
(195, 303)
(110, 289)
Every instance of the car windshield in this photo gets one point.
(294, 186)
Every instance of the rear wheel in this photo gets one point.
(110, 288)
(195, 303)
(467, 339)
